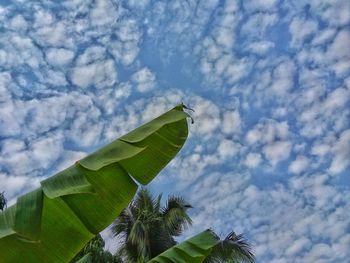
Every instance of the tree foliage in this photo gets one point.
(206, 247)
(146, 229)
(95, 249)
(234, 248)
(3, 201)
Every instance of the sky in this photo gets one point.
(269, 80)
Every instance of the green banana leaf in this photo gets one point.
(194, 250)
(85, 259)
(52, 223)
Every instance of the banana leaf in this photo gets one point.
(194, 250)
(53, 222)
(85, 259)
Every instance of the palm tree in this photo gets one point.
(3, 201)
(146, 229)
(233, 249)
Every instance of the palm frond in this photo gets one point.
(157, 203)
(149, 229)
(3, 201)
(175, 217)
(138, 234)
(234, 248)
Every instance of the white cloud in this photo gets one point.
(77, 6)
(84, 133)
(341, 67)
(300, 164)
(5, 83)
(207, 116)
(260, 5)
(321, 111)
(277, 151)
(138, 3)
(252, 160)
(100, 74)
(319, 252)
(336, 100)
(283, 76)
(221, 64)
(324, 36)
(285, 223)
(279, 112)
(94, 69)
(46, 114)
(103, 13)
(85, 129)
(300, 29)
(14, 185)
(218, 61)
(125, 49)
(55, 35)
(54, 78)
(42, 17)
(11, 146)
(125, 53)
(18, 23)
(228, 148)
(22, 160)
(253, 136)
(298, 246)
(314, 84)
(224, 38)
(21, 50)
(69, 158)
(231, 122)
(59, 56)
(341, 151)
(336, 14)
(111, 242)
(260, 47)
(109, 99)
(144, 79)
(268, 131)
(45, 151)
(91, 54)
(10, 119)
(320, 149)
(258, 20)
(237, 70)
(339, 49)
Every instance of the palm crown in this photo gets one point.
(146, 229)
(233, 249)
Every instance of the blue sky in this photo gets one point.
(269, 152)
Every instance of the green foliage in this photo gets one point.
(2, 201)
(95, 252)
(146, 229)
(234, 248)
(54, 222)
(85, 259)
(193, 250)
(206, 247)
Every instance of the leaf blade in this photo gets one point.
(194, 250)
(69, 197)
